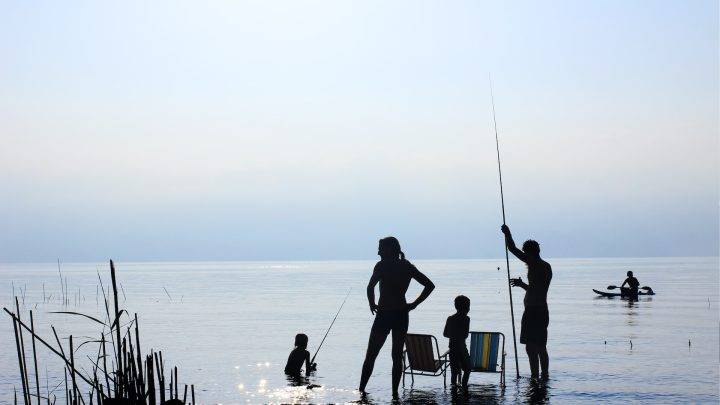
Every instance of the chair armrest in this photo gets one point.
(445, 354)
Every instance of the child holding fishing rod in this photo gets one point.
(298, 356)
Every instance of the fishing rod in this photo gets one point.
(502, 204)
(330, 327)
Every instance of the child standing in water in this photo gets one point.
(457, 329)
(298, 356)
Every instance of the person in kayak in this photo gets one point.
(394, 273)
(536, 317)
(631, 291)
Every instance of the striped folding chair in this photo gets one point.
(484, 350)
(422, 357)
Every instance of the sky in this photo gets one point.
(285, 130)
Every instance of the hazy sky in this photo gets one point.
(309, 129)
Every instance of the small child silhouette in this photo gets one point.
(298, 356)
(457, 329)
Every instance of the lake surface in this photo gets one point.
(229, 326)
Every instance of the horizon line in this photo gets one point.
(347, 260)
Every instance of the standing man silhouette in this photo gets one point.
(394, 274)
(535, 319)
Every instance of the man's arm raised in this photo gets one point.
(510, 243)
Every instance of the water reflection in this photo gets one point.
(529, 391)
(297, 380)
(631, 313)
(478, 393)
(422, 396)
(537, 392)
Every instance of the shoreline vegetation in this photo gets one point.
(120, 374)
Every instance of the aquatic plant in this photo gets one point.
(130, 379)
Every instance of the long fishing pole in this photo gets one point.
(330, 327)
(502, 204)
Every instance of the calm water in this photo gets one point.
(230, 326)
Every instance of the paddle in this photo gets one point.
(612, 287)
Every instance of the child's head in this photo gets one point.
(301, 340)
(629, 273)
(462, 304)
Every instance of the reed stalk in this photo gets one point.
(136, 377)
(117, 330)
(46, 344)
(72, 370)
(20, 363)
(37, 377)
(22, 348)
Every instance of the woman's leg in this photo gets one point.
(398, 342)
(375, 343)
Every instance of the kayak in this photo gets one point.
(612, 294)
(606, 294)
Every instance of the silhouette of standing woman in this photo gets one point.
(393, 273)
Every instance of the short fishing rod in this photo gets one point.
(502, 204)
(330, 327)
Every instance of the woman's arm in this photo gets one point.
(429, 287)
(371, 290)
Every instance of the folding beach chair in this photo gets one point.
(484, 350)
(423, 358)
